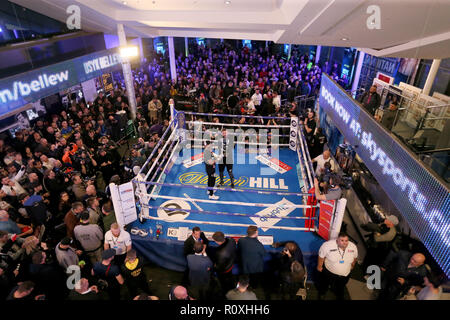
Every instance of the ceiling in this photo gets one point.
(409, 28)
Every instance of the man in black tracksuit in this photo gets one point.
(223, 258)
(227, 160)
(210, 166)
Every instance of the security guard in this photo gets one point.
(209, 159)
(337, 258)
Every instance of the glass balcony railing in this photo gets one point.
(425, 130)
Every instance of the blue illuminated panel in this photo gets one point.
(24, 88)
(420, 197)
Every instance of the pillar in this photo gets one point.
(431, 76)
(128, 76)
(357, 73)
(318, 49)
(186, 46)
(173, 68)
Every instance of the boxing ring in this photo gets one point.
(272, 176)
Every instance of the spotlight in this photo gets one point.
(129, 52)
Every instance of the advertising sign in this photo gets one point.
(422, 199)
(31, 86)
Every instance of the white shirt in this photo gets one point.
(276, 101)
(251, 107)
(321, 164)
(17, 188)
(119, 243)
(333, 256)
(256, 98)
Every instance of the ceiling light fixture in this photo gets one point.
(227, 2)
(344, 39)
(124, 3)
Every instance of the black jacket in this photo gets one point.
(189, 243)
(224, 256)
(374, 102)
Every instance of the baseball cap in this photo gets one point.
(109, 253)
(393, 219)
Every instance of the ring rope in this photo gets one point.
(239, 134)
(171, 137)
(243, 142)
(171, 150)
(235, 203)
(232, 224)
(165, 167)
(220, 213)
(240, 125)
(224, 189)
(157, 145)
(233, 115)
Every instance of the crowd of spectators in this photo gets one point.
(55, 206)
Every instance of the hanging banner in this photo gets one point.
(293, 134)
(107, 82)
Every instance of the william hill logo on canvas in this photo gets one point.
(200, 178)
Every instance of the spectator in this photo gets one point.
(93, 208)
(241, 291)
(389, 116)
(401, 271)
(224, 257)
(371, 100)
(292, 269)
(10, 226)
(107, 271)
(78, 187)
(72, 218)
(65, 254)
(200, 267)
(84, 292)
(49, 279)
(23, 292)
(90, 237)
(196, 236)
(336, 260)
(432, 289)
(134, 275)
(109, 216)
(251, 253)
(179, 293)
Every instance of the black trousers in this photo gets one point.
(211, 183)
(336, 282)
(229, 167)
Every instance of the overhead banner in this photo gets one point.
(422, 199)
(31, 86)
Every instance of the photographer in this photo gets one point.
(329, 186)
(105, 161)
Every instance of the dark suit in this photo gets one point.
(371, 101)
(251, 253)
(200, 268)
(189, 243)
